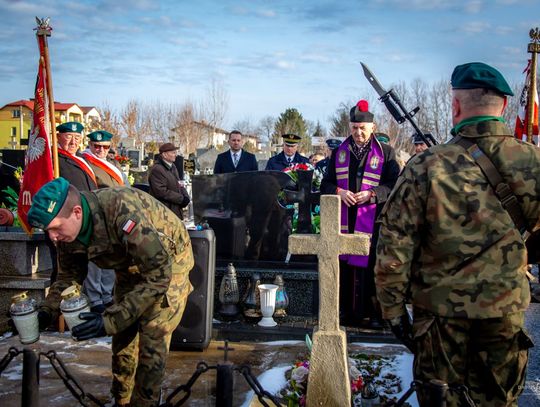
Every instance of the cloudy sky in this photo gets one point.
(268, 55)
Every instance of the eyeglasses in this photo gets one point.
(100, 146)
(71, 136)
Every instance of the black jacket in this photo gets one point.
(224, 163)
(71, 171)
(165, 187)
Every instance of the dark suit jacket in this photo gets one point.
(224, 163)
(70, 170)
(279, 162)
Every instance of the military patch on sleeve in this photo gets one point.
(128, 226)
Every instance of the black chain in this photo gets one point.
(12, 352)
(463, 391)
(202, 367)
(71, 383)
(414, 385)
(245, 370)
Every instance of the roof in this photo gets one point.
(27, 103)
(30, 105)
(86, 109)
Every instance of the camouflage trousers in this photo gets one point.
(489, 356)
(140, 351)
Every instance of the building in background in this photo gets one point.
(16, 120)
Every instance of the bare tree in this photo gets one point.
(245, 127)
(266, 127)
(110, 122)
(133, 121)
(514, 103)
(186, 130)
(216, 104)
(161, 120)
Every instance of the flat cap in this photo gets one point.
(291, 139)
(167, 147)
(47, 202)
(333, 143)
(70, 127)
(100, 135)
(360, 113)
(479, 75)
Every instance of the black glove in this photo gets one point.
(92, 328)
(44, 319)
(100, 308)
(402, 329)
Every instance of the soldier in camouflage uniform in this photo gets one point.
(448, 246)
(149, 248)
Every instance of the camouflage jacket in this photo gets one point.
(446, 243)
(132, 233)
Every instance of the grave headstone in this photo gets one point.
(329, 383)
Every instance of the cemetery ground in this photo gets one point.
(89, 363)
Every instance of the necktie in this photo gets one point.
(289, 160)
(235, 159)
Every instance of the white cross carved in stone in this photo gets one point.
(329, 383)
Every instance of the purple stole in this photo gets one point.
(365, 216)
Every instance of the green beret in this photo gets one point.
(479, 75)
(291, 139)
(47, 202)
(100, 135)
(382, 137)
(70, 127)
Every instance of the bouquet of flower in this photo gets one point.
(296, 391)
(123, 160)
(292, 171)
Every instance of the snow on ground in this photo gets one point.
(272, 381)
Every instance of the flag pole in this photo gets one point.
(534, 49)
(44, 30)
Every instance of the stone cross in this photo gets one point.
(329, 383)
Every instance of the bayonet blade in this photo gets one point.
(374, 82)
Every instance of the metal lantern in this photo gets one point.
(282, 299)
(228, 293)
(252, 298)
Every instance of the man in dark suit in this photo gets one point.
(236, 159)
(289, 156)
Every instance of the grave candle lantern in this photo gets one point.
(228, 293)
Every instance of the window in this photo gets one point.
(13, 131)
(15, 114)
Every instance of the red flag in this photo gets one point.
(38, 162)
(522, 119)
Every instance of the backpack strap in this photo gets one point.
(502, 190)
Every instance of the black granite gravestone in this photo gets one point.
(243, 210)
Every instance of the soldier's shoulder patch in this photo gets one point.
(128, 226)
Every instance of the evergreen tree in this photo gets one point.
(292, 122)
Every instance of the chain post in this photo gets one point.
(438, 390)
(30, 379)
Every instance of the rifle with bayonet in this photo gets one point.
(395, 107)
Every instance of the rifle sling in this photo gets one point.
(500, 187)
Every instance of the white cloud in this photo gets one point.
(475, 27)
(266, 13)
(285, 65)
(473, 6)
(24, 7)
